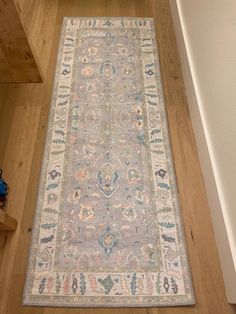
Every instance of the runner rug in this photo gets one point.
(107, 230)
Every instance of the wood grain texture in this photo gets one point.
(18, 62)
(24, 159)
(36, 17)
(7, 223)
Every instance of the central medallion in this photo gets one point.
(107, 69)
(107, 177)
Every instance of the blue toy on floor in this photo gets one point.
(3, 191)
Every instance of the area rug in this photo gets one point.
(107, 230)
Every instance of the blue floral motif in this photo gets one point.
(108, 241)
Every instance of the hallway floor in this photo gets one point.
(23, 121)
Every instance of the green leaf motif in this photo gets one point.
(165, 210)
(58, 141)
(42, 285)
(58, 284)
(47, 239)
(157, 140)
(51, 186)
(134, 284)
(158, 283)
(50, 210)
(48, 225)
(164, 186)
(82, 284)
(166, 224)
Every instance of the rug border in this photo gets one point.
(162, 97)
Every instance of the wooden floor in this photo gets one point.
(23, 119)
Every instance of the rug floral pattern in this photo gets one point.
(107, 230)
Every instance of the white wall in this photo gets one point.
(206, 36)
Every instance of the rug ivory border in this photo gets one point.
(70, 23)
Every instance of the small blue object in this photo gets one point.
(3, 186)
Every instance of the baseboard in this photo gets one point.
(206, 156)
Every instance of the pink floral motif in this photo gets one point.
(66, 284)
(93, 282)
